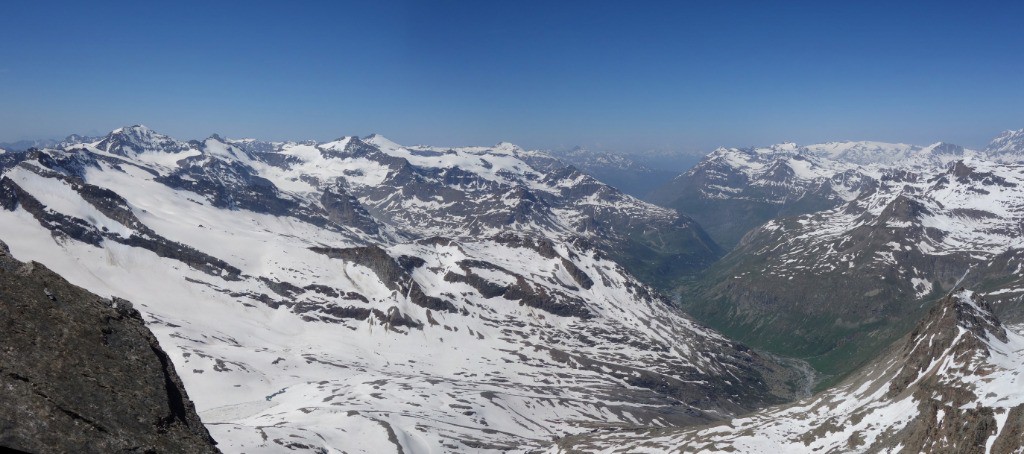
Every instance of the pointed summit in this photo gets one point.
(381, 142)
(960, 327)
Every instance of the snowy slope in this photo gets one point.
(953, 385)
(315, 296)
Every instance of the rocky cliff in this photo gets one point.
(80, 373)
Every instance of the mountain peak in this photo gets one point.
(960, 325)
(381, 142)
(1007, 146)
(133, 129)
(974, 314)
(507, 147)
(944, 148)
(136, 139)
(784, 146)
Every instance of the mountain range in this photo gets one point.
(840, 247)
(359, 295)
(424, 298)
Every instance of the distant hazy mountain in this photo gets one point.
(1008, 147)
(23, 145)
(617, 170)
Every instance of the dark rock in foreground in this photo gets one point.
(80, 373)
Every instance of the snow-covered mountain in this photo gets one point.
(22, 145)
(734, 190)
(1007, 147)
(479, 191)
(951, 385)
(364, 296)
(845, 243)
(881, 154)
(849, 280)
(25, 145)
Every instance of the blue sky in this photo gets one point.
(609, 75)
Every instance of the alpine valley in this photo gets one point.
(359, 295)
(839, 249)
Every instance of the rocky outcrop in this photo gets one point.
(389, 271)
(80, 373)
(951, 417)
(344, 209)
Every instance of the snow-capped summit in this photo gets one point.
(338, 144)
(381, 142)
(1007, 147)
(506, 147)
(137, 139)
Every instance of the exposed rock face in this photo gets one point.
(343, 209)
(79, 373)
(952, 385)
(1008, 146)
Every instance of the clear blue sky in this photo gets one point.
(609, 75)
